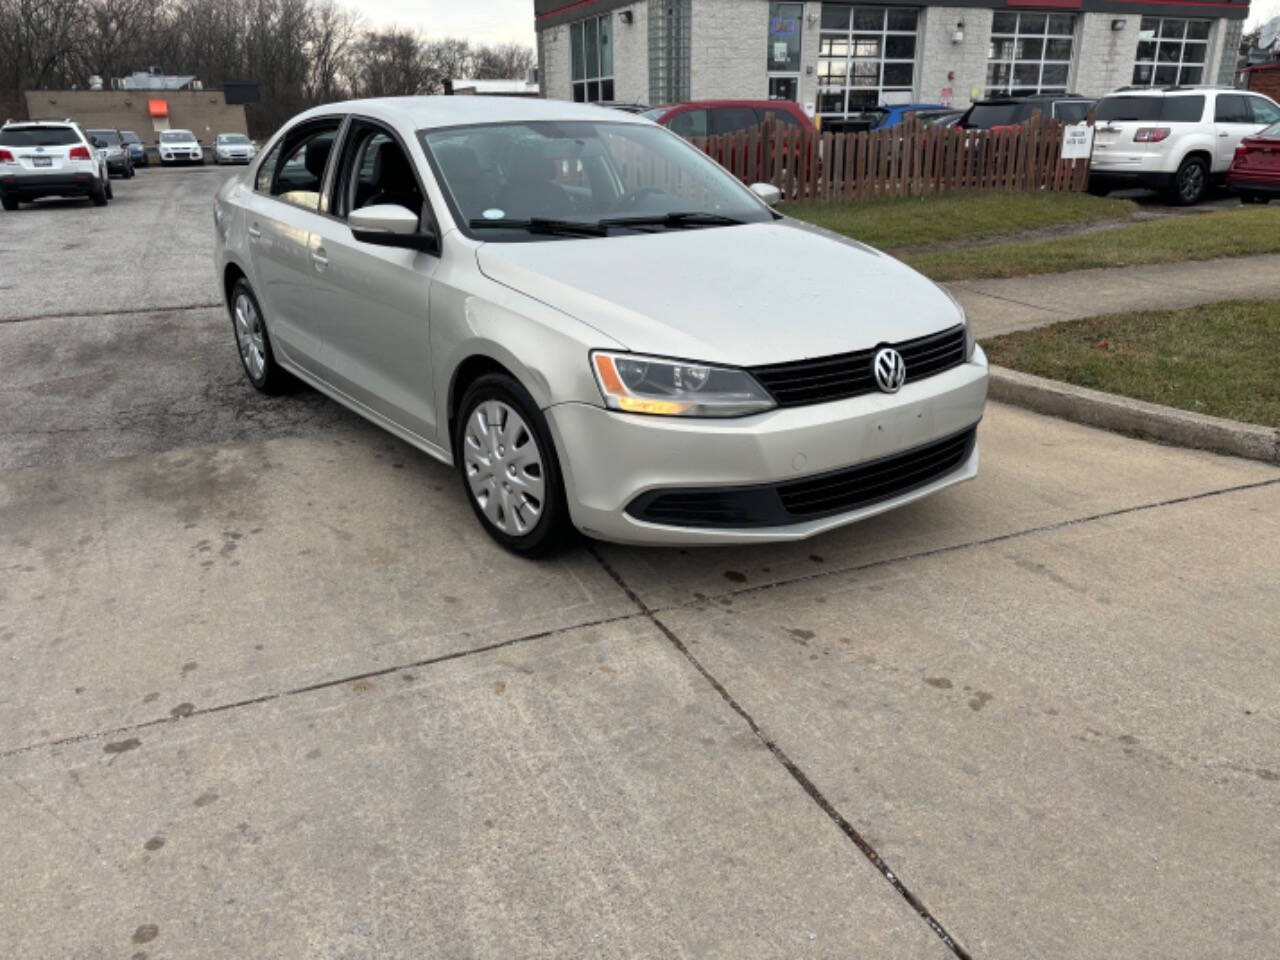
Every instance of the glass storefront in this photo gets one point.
(1030, 53)
(591, 46)
(782, 56)
(866, 57)
(1171, 51)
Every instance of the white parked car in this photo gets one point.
(1177, 139)
(50, 158)
(179, 146)
(233, 148)
(596, 324)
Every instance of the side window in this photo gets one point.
(691, 123)
(267, 170)
(376, 171)
(783, 119)
(733, 119)
(1232, 108)
(300, 172)
(1264, 111)
(1071, 111)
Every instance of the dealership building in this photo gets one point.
(838, 58)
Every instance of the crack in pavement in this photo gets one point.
(643, 612)
(792, 768)
(123, 312)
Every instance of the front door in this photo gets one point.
(371, 300)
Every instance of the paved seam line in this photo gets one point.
(787, 763)
(313, 687)
(1020, 303)
(111, 313)
(999, 538)
(644, 612)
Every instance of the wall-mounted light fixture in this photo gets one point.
(627, 16)
(958, 35)
(1117, 24)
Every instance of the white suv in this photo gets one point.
(50, 158)
(1178, 139)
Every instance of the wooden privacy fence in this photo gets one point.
(909, 160)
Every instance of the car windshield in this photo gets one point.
(655, 114)
(527, 180)
(1146, 109)
(128, 136)
(1271, 133)
(109, 137)
(176, 136)
(232, 138)
(983, 116)
(37, 137)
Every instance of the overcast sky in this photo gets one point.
(503, 21)
(484, 21)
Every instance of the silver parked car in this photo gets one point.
(599, 326)
(233, 148)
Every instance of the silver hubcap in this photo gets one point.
(1192, 179)
(504, 468)
(249, 336)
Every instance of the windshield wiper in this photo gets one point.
(693, 218)
(542, 225)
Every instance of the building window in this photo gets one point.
(866, 57)
(669, 46)
(591, 44)
(782, 56)
(1030, 53)
(1171, 52)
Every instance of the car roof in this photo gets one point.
(446, 111)
(713, 104)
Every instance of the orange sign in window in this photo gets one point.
(158, 108)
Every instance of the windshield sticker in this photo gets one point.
(493, 213)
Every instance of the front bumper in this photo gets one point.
(227, 157)
(118, 164)
(181, 156)
(30, 186)
(610, 459)
(1241, 184)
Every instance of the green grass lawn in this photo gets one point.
(916, 221)
(1205, 236)
(1221, 359)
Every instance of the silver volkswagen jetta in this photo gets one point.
(597, 324)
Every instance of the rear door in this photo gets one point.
(371, 301)
(1232, 122)
(281, 213)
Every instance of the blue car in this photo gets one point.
(137, 151)
(894, 115)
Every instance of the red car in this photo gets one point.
(706, 118)
(1255, 169)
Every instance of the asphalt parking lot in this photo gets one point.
(270, 691)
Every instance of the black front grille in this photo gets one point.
(846, 375)
(839, 491)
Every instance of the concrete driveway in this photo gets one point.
(269, 691)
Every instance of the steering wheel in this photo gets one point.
(629, 201)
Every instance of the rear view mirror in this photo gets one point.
(390, 225)
(767, 192)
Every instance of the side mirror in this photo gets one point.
(97, 142)
(390, 225)
(767, 192)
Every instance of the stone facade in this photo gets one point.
(729, 44)
(631, 55)
(943, 64)
(1104, 57)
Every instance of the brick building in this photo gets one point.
(837, 58)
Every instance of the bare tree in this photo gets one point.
(505, 61)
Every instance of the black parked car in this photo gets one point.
(997, 112)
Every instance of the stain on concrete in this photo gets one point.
(499, 687)
(155, 843)
(182, 710)
(979, 700)
(362, 686)
(939, 683)
(188, 667)
(146, 933)
(313, 753)
(817, 558)
(206, 798)
(735, 576)
(1267, 774)
(122, 746)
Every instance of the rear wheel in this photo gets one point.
(9, 203)
(111, 194)
(1191, 182)
(1098, 188)
(98, 195)
(253, 342)
(509, 469)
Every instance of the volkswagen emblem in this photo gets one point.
(890, 370)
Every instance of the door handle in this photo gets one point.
(254, 232)
(319, 259)
(1223, 133)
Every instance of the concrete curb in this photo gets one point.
(1134, 417)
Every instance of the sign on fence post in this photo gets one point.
(1077, 142)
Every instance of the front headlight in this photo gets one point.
(675, 388)
(969, 342)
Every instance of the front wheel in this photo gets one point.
(253, 342)
(509, 469)
(1191, 182)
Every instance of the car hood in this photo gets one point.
(743, 295)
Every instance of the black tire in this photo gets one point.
(99, 195)
(273, 380)
(1254, 198)
(1098, 189)
(553, 531)
(9, 203)
(1191, 182)
(111, 194)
